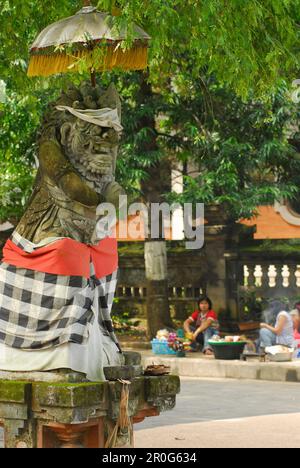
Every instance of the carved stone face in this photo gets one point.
(92, 150)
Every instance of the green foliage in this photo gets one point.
(241, 150)
(124, 324)
(251, 304)
(17, 147)
(137, 154)
(26, 98)
(245, 44)
(20, 117)
(287, 247)
(21, 22)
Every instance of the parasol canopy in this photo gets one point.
(89, 34)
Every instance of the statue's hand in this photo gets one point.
(56, 166)
(112, 194)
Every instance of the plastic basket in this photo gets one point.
(161, 347)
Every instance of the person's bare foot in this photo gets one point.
(208, 352)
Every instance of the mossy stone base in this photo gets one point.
(26, 407)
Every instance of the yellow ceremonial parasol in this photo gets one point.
(89, 35)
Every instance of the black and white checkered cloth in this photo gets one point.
(40, 310)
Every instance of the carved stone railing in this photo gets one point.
(181, 298)
(176, 293)
(266, 275)
(186, 278)
(276, 275)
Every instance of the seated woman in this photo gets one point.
(202, 325)
(282, 332)
(296, 324)
(297, 306)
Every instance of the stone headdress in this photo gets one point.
(94, 105)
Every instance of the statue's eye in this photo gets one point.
(86, 144)
(98, 140)
(95, 130)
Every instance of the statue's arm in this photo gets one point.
(56, 166)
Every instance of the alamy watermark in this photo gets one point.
(152, 218)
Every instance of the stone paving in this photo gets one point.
(226, 413)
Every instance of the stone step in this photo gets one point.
(208, 367)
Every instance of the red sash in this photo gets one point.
(66, 257)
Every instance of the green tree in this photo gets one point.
(17, 155)
(21, 22)
(245, 152)
(247, 46)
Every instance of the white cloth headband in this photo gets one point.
(104, 117)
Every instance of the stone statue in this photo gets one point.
(58, 274)
(77, 165)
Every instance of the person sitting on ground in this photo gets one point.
(296, 324)
(282, 332)
(202, 325)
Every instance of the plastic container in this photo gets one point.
(279, 353)
(161, 347)
(180, 333)
(228, 351)
(280, 357)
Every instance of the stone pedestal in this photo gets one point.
(44, 414)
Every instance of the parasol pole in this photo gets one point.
(93, 74)
(93, 78)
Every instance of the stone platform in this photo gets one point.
(45, 410)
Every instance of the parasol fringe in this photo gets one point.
(135, 58)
